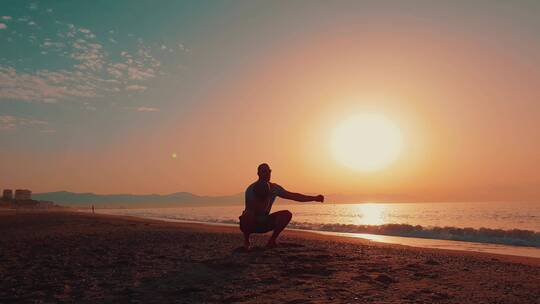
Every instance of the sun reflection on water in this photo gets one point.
(371, 214)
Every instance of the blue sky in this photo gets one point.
(76, 72)
(72, 68)
(84, 73)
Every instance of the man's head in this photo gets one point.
(264, 172)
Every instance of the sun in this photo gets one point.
(366, 142)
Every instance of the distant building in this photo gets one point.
(23, 194)
(45, 204)
(7, 194)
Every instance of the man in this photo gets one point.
(260, 197)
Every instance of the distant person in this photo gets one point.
(260, 197)
(93, 211)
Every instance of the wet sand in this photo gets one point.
(51, 257)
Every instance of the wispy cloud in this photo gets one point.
(147, 109)
(46, 86)
(182, 47)
(10, 122)
(135, 87)
(6, 18)
(7, 122)
(95, 70)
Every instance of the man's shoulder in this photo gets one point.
(276, 188)
(250, 190)
(275, 185)
(250, 187)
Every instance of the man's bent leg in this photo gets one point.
(246, 240)
(281, 220)
(247, 226)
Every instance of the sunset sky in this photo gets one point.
(97, 96)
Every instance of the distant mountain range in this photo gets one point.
(72, 199)
(65, 198)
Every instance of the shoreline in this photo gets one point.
(428, 243)
(348, 238)
(86, 258)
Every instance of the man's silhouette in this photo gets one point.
(260, 197)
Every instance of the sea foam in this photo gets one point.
(514, 237)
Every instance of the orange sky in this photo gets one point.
(466, 100)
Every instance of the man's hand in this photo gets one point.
(319, 198)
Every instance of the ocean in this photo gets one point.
(505, 228)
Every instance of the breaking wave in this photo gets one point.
(514, 237)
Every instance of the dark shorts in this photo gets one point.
(262, 224)
(265, 223)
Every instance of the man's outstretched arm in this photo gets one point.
(301, 197)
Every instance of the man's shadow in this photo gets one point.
(258, 249)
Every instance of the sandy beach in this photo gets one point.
(84, 258)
